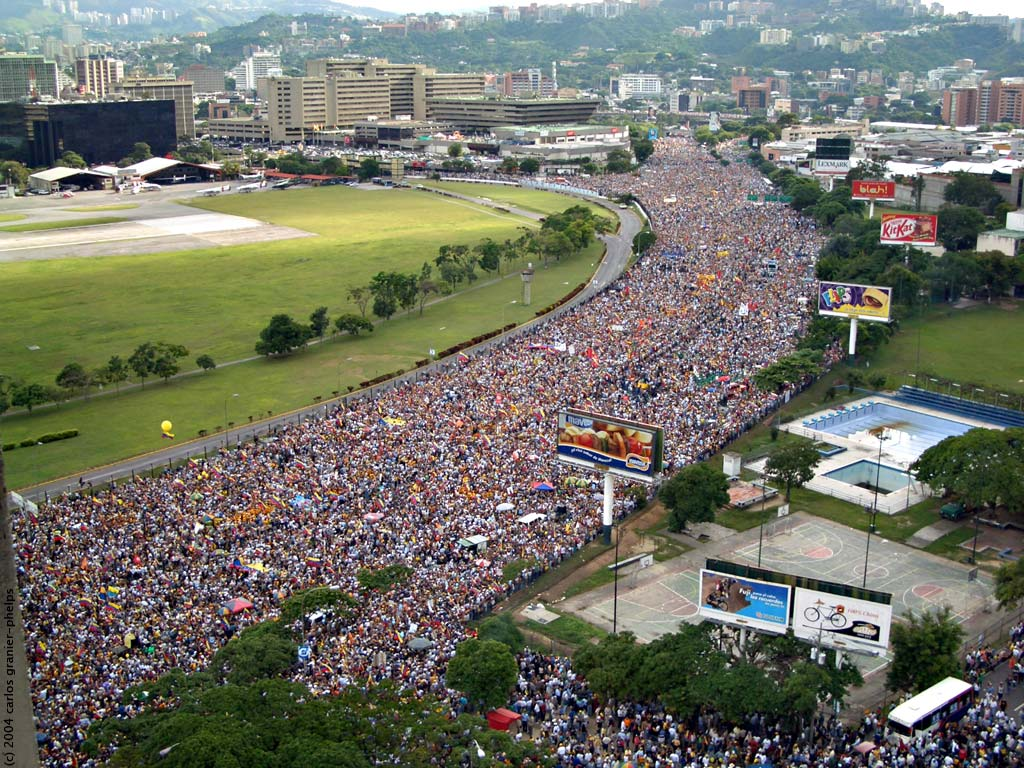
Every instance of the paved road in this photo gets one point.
(618, 252)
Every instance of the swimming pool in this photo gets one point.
(863, 474)
(907, 433)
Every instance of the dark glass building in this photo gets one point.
(101, 132)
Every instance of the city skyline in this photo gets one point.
(977, 7)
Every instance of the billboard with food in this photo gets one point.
(744, 602)
(868, 302)
(870, 189)
(909, 229)
(841, 622)
(606, 443)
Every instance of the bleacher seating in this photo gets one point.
(1004, 417)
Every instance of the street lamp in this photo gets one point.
(615, 589)
(760, 533)
(974, 546)
(226, 398)
(882, 437)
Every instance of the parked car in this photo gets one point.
(953, 511)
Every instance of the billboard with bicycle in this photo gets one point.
(841, 622)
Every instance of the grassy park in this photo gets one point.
(534, 200)
(215, 301)
(39, 226)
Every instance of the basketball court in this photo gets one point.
(653, 602)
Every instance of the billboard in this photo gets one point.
(864, 189)
(606, 443)
(841, 622)
(868, 302)
(744, 602)
(838, 166)
(909, 229)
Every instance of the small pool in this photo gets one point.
(863, 474)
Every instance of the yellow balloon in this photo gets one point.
(166, 426)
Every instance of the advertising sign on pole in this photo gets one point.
(610, 444)
(864, 189)
(909, 229)
(744, 602)
(841, 622)
(838, 166)
(868, 302)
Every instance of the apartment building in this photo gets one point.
(960, 106)
(527, 82)
(98, 75)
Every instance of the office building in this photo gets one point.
(635, 86)
(24, 77)
(101, 131)
(98, 75)
(431, 86)
(482, 114)
(753, 98)
(261, 64)
(960, 106)
(297, 106)
(204, 79)
(178, 91)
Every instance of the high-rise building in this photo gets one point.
(204, 79)
(71, 34)
(432, 85)
(98, 75)
(24, 77)
(178, 91)
(754, 97)
(297, 106)
(1001, 101)
(775, 36)
(261, 64)
(527, 82)
(960, 107)
(635, 86)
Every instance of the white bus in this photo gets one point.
(944, 702)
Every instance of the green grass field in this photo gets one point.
(248, 292)
(12, 217)
(966, 346)
(216, 300)
(39, 226)
(528, 199)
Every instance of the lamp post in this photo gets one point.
(974, 546)
(874, 505)
(226, 398)
(760, 533)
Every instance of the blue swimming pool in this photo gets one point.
(864, 474)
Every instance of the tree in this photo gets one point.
(142, 361)
(73, 378)
(972, 190)
(425, 286)
(926, 649)
(206, 362)
(484, 670)
(792, 463)
(231, 169)
(319, 322)
(791, 369)
(369, 168)
(529, 165)
(28, 396)
(386, 289)
(71, 160)
(509, 164)
(643, 148)
(611, 666)
(693, 494)
(165, 361)
(360, 296)
(502, 629)
(282, 336)
(352, 323)
(115, 371)
(617, 161)
(981, 466)
(140, 151)
(488, 255)
(998, 272)
(13, 172)
(959, 227)
(1010, 584)
(455, 150)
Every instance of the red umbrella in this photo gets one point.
(235, 605)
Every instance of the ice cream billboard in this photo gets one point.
(909, 229)
(868, 302)
(744, 602)
(841, 622)
(864, 189)
(610, 444)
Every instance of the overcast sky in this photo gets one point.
(987, 7)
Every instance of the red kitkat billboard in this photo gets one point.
(909, 229)
(874, 190)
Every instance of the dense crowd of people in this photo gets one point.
(124, 585)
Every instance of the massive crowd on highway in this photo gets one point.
(121, 586)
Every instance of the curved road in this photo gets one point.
(617, 254)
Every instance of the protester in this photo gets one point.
(121, 586)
